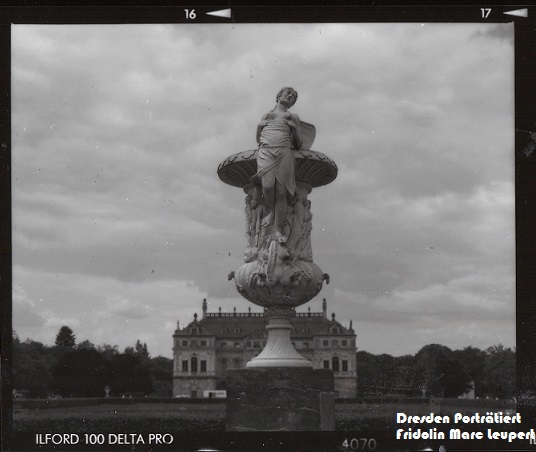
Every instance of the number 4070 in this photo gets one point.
(359, 444)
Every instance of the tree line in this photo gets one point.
(438, 371)
(68, 369)
(71, 369)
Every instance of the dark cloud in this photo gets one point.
(501, 32)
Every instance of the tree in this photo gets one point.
(32, 362)
(127, 374)
(108, 351)
(65, 338)
(141, 350)
(500, 372)
(86, 345)
(375, 372)
(161, 370)
(473, 360)
(80, 373)
(441, 375)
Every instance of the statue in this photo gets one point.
(277, 132)
(279, 273)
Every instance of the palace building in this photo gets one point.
(205, 348)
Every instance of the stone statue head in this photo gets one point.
(282, 90)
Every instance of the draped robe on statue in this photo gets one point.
(275, 155)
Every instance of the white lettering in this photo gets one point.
(159, 438)
(456, 433)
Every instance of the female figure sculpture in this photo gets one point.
(277, 133)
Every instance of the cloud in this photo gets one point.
(423, 114)
(25, 312)
(121, 224)
(496, 31)
(101, 309)
(122, 307)
(58, 322)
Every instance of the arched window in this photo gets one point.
(224, 330)
(335, 364)
(305, 329)
(237, 330)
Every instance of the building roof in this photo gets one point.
(244, 324)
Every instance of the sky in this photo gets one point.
(121, 226)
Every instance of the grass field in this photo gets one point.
(133, 416)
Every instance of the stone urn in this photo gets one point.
(279, 276)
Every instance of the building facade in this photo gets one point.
(205, 348)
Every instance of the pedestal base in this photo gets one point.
(280, 399)
(279, 351)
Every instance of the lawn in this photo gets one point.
(121, 417)
(145, 415)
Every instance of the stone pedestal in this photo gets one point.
(279, 351)
(280, 399)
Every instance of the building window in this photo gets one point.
(306, 344)
(203, 366)
(203, 343)
(335, 364)
(237, 345)
(185, 343)
(224, 364)
(237, 363)
(194, 331)
(224, 330)
(334, 343)
(248, 344)
(335, 330)
(256, 344)
(344, 343)
(237, 330)
(325, 343)
(185, 365)
(194, 343)
(326, 364)
(194, 364)
(305, 329)
(223, 344)
(344, 365)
